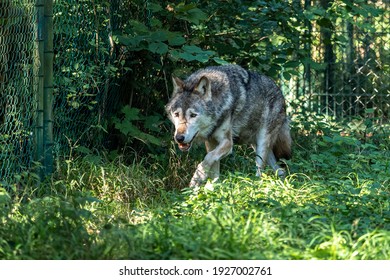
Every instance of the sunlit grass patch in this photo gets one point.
(333, 204)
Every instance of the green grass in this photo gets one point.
(335, 204)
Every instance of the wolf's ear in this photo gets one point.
(204, 87)
(178, 85)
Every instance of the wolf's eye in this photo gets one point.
(193, 115)
(176, 114)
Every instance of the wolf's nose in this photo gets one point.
(180, 138)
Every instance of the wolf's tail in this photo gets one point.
(282, 146)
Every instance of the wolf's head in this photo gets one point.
(187, 110)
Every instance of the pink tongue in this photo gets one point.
(184, 146)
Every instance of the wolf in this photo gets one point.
(224, 104)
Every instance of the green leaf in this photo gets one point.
(196, 16)
(153, 7)
(196, 50)
(220, 61)
(177, 40)
(190, 13)
(279, 60)
(159, 48)
(192, 53)
(186, 56)
(139, 27)
(182, 7)
(160, 35)
(128, 128)
(131, 114)
(175, 54)
(291, 64)
(130, 41)
(192, 49)
(202, 57)
(152, 123)
(286, 75)
(83, 150)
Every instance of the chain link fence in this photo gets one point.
(346, 79)
(82, 72)
(347, 72)
(19, 65)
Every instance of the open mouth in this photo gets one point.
(184, 147)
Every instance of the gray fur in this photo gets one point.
(219, 104)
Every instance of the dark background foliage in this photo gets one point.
(322, 53)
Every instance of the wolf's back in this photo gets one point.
(251, 99)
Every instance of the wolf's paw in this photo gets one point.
(194, 183)
(199, 176)
(210, 184)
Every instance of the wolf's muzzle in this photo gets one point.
(184, 145)
(179, 138)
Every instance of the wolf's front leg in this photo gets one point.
(200, 175)
(209, 167)
(211, 144)
(203, 172)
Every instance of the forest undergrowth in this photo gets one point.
(334, 203)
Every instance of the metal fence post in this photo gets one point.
(39, 155)
(48, 88)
